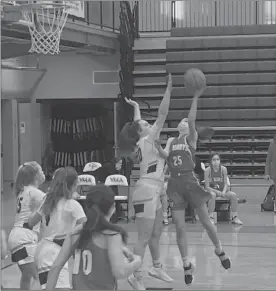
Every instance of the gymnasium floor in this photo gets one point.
(252, 248)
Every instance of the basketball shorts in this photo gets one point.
(22, 243)
(45, 255)
(185, 189)
(146, 198)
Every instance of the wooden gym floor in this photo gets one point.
(252, 249)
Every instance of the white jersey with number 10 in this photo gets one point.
(151, 164)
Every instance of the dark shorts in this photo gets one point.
(186, 189)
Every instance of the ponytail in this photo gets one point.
(96, 222)
(128, 138)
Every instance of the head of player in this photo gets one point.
(100, 239)
(131, 134)
(28, 174)
(183, 127)
(100, 206)
(63, 185)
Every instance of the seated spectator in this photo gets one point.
(216, 178)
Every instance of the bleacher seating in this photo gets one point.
(240, 100)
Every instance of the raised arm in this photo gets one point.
(164, 153)
(136, 107)
(192, 119)
(162, 112)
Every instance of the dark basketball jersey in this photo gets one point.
(181, 156)
(216, 179)
(92, 269)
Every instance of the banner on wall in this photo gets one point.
(77, 10)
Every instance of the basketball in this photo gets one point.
(194, 80)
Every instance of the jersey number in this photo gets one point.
(139, 155)
(177, 161)
(86, 262)
(18, 206)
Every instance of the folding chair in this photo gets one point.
(119, 181)
(85, 181)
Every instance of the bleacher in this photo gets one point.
(240, 100)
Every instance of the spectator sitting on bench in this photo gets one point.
(216, 179)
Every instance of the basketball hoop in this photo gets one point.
(46, 20)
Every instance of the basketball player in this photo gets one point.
(100, 255)
(184, 187)
(138, 137)
(59, 214)
(22, 241)
(216, 183)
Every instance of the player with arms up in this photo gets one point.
(137, 138)
(184, 187)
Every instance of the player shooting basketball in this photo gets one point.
(137, 137)
(184, 187)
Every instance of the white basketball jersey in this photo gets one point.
(151, 164)
(28, 202)
(62, 220)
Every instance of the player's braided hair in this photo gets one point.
(99, 200)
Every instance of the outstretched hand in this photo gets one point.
(169, 85)
(131, 102)
(199, 92)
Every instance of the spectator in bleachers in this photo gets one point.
(270, 165)
(216, 183)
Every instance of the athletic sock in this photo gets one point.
(186, 262)
(218, 248)
(156, 263)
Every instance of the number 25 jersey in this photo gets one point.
(181, 156)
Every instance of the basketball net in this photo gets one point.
(46, 21)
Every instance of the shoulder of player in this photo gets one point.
(224, 169)
(73, 204)
(110, 232)
(36, 192)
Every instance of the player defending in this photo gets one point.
(137, 137)
(184, 187)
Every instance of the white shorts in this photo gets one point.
(22, 242)
(146, 198)
(45, 255)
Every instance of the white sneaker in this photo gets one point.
(160, 274)
(235, 220)
(166, 221)
(136, 283)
